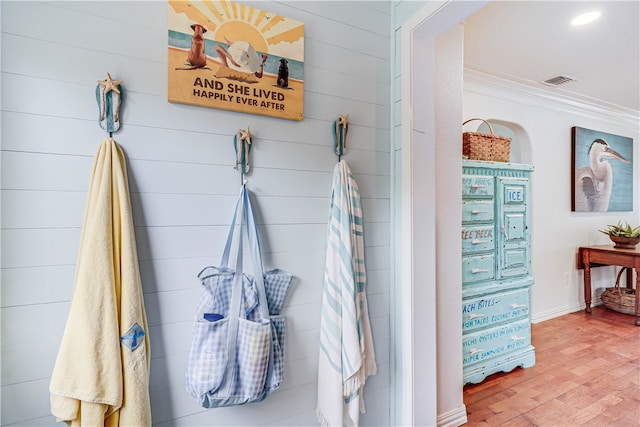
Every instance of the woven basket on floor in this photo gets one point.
(481, 146)
(619, 299)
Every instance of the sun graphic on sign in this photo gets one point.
(227, 21)
(231, 56)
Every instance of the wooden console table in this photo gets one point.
(596, 256)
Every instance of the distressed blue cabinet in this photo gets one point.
(496, 269)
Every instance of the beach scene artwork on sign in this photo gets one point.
(602, 171)
(232, 56)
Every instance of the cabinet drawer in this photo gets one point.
(475, 239)
(477, 186)
(477, 268)
(477, 211)
(491, 310)
(495, 342)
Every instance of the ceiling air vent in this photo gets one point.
(558, 80)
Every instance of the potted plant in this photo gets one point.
(624, 236)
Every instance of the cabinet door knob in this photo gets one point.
(514, 306)
(475, 350)
(517, 338)
(477, 186)
(475, 316)
(477, 242)
(477, 270)
(476, 212)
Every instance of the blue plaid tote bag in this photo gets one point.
(237, 348)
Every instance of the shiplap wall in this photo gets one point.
(183, 189)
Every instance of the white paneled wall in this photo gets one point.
(183, 189)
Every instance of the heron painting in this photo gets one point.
(602, 175)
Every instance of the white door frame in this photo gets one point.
(418, 379)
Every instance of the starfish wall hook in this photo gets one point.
(340, 129)
(242, 145)
(110, 84)
(245, 135)
(109, 96)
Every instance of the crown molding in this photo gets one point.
(554, 99)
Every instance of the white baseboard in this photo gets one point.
(453, 418)
(551, 314)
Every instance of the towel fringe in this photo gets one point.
(352, 385)
(355, 383)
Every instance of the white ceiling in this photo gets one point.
(532, 41)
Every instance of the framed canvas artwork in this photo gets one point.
(601, 172)
(232, 56)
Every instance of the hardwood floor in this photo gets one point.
(587, 373)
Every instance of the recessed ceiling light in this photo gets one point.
(585, 18)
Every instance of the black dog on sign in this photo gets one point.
(283, 74)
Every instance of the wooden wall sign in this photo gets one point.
(231, 56)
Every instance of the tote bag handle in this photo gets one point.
(248, 226)
(256, 254)
(236, 299)
(224, 262)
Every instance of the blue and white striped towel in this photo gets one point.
(346, 348)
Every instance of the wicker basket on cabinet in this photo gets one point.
(482, 146)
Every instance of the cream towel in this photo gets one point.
(101, 375)
(346, 347)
